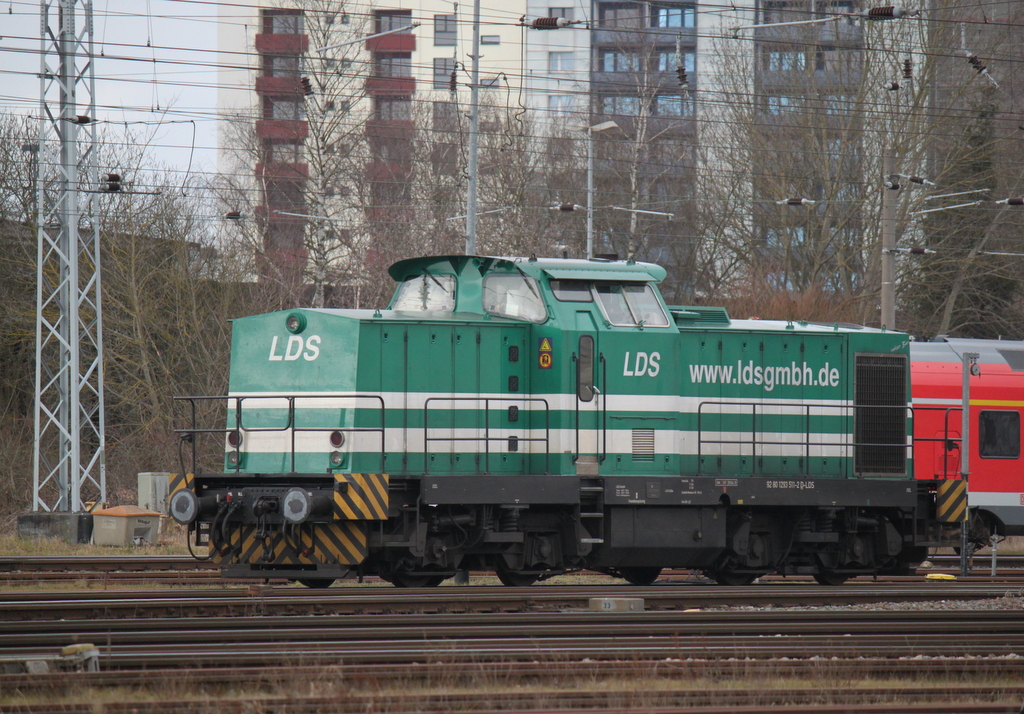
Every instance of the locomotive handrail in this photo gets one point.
(191, 433)
(486, 438)
(797, 410)
(946, 439)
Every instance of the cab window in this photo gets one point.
(631, 304)
(571, 290)
(426, 293)
(514, 296)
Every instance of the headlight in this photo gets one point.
(296, 323)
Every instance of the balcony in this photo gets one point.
(282, 129)
(403, 86)
(626, 37)
(281, 44)
(833, 33)
(283, 171)
(388, 171)
(278, 86)
(401, 42)
(390, 128)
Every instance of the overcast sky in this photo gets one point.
(155, 63)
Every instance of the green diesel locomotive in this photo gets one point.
(534, 416)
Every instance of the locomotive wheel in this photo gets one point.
(733, 579)
(316, 582)
(827, 578)
(514, 578)
(640, 575)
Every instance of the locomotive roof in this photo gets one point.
(559, 268)
(951, 349)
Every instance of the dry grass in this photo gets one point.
(173, 543)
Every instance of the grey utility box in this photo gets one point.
(153, 487)
(125, 525)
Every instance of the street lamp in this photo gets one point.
(603, 126)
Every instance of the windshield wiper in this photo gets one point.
(436, 281)
(527, 279)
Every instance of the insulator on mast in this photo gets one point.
(885, 12)
(976, 63)
(549, 23)
(908, 69)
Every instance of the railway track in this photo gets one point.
(31, 605)
(531, 650)
(260, 639)
(178, 570)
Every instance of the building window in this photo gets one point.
(668, 60)
(388, 20)
(445, 32)
(283, 109)
(672, 105)
(780, 11)
(490, 39)
(443, 68)
(618, 14)
(784, 61)
(673, 16)
(285, 153)
(394, 65)
(280, 65)
(560, 61)
(782, 104)
(617, 61)
(621, 104)
(840, 104)
(446, 116)
(566, 12)
(393, 108)
(561, 103)
(283, 22)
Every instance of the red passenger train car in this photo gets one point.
(995, 466)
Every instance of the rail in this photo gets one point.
(192, 435)
(487, 438)
(757, 440)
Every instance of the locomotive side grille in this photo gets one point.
(880, 434)
(643, 445)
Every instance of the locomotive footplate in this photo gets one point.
(755, 491)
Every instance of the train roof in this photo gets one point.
(558, 268)
(951, 349)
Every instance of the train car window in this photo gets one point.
(999, 434)
(631, 304)
(613, 304)
(585, 369)
(645, 306)
(515, 296)
(426, 293)
(571, 290)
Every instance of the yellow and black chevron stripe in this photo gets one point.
(180, 481)
(361, 497)
(951, 501)
(342, 543)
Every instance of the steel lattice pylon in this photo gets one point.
(69, 461)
